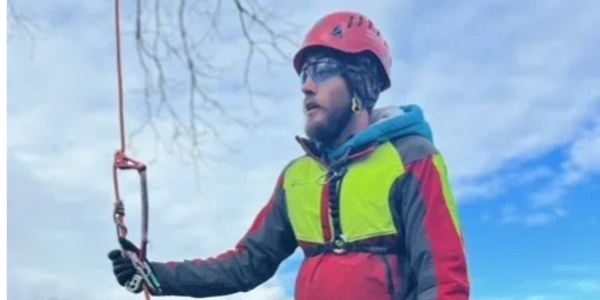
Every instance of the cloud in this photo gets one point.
(584, 286)
(587, 285)
(61, 141)
(562, 282)
(580, 278)
(494, 86)
(508, 83)
(510, 214)
(536, 297)
(582, 162)
(47, 250)
(572, 268)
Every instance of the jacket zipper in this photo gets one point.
(334, 207)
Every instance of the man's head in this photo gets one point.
(343, 65)
(338, 89)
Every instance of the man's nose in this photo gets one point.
(309, 87)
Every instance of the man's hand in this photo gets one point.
(130, 271)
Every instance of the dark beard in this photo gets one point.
(328, 131)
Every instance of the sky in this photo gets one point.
(511, 89)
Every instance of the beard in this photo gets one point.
(330, 125)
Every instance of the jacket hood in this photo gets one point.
(387, 123)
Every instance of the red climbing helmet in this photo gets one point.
(351, 33)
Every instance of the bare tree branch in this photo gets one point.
(169, 41)
(174, 44)
(19, 23)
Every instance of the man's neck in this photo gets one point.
(357, 124)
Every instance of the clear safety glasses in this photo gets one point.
(320, 71)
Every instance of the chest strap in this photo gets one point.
(355, 247)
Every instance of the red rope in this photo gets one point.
(123, 162)
(120, 75)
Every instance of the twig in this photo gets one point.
(164, 39)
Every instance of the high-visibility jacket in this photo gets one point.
(375, 219)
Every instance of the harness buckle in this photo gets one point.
(339, 245)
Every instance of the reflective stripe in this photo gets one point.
(303, 189)
(364, 200)
(365, 195)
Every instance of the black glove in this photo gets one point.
(130, 271)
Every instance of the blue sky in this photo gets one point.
(511, 89)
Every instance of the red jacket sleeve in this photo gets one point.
(432, 231)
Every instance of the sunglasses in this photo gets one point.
(320, 71)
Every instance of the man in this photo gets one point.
(369, 203)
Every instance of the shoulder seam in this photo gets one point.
(413, 148)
